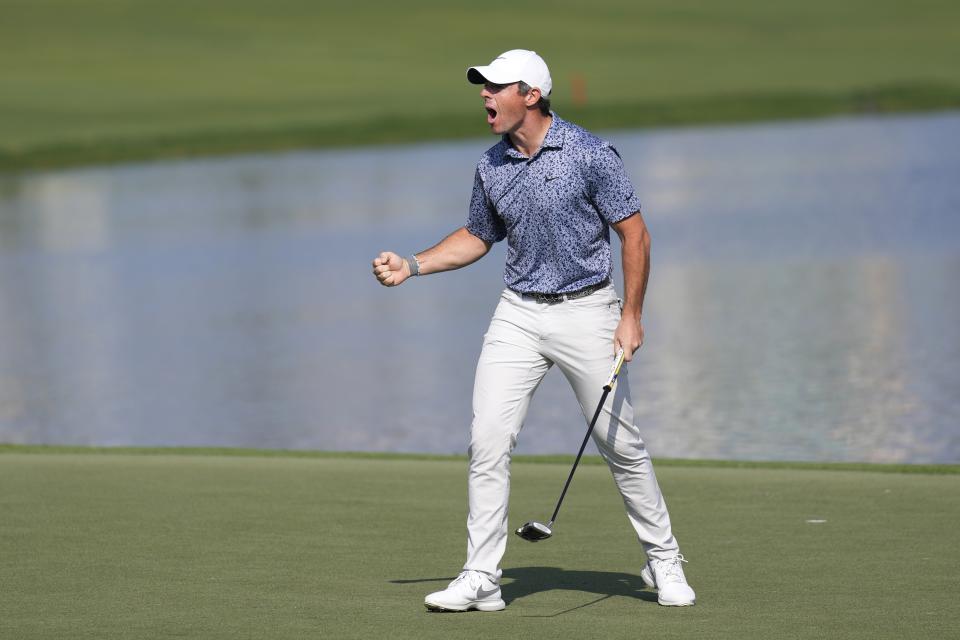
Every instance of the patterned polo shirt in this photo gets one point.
(555, 208)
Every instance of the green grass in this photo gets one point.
(109, 80)
(257, 546)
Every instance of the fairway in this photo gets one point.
(109, 80)
(206, 546)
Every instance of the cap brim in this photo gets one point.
(483, 75)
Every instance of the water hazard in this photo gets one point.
(803, 302)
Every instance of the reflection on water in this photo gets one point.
(803, 303)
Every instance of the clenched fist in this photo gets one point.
(390, 269)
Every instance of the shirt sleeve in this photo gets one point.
(610, 188)
(483, 220)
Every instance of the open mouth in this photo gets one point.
(491, 115)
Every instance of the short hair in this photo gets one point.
(543, 103)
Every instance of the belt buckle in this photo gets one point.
(548, 298)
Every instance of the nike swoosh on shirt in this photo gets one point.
(549, 178)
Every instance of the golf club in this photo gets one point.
(536, 531)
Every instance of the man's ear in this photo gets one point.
(532, 97)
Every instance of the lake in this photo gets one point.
(803, 305)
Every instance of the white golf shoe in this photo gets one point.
(666, 576)
(470, 590)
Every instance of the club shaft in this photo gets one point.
(583, 446)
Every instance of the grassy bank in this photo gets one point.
(526, 459)
(204, 546)
(104, 81)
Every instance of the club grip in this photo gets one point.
(615, 371)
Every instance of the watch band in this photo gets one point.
(414, 265)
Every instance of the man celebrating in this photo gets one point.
(553, 190)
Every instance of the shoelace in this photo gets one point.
(672, 569)
(471, 577)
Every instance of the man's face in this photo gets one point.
(506, 108)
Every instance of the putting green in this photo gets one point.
(108, 80)
(205, 546)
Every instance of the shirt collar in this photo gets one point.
(555, 134)
(553, 140)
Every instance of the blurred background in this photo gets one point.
(191, 195)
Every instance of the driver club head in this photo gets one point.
(534, 532)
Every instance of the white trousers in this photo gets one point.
(524, 340)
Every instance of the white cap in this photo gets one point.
(512, 66)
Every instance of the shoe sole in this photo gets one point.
(498, 605)
(687, 603)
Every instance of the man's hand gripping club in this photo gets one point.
(628, 336)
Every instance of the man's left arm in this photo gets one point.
(635, 244)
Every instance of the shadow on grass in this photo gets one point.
(525, 581)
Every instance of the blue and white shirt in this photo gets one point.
(555, 209)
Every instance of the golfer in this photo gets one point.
(553, 190)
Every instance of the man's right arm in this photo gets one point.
(458, 249)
